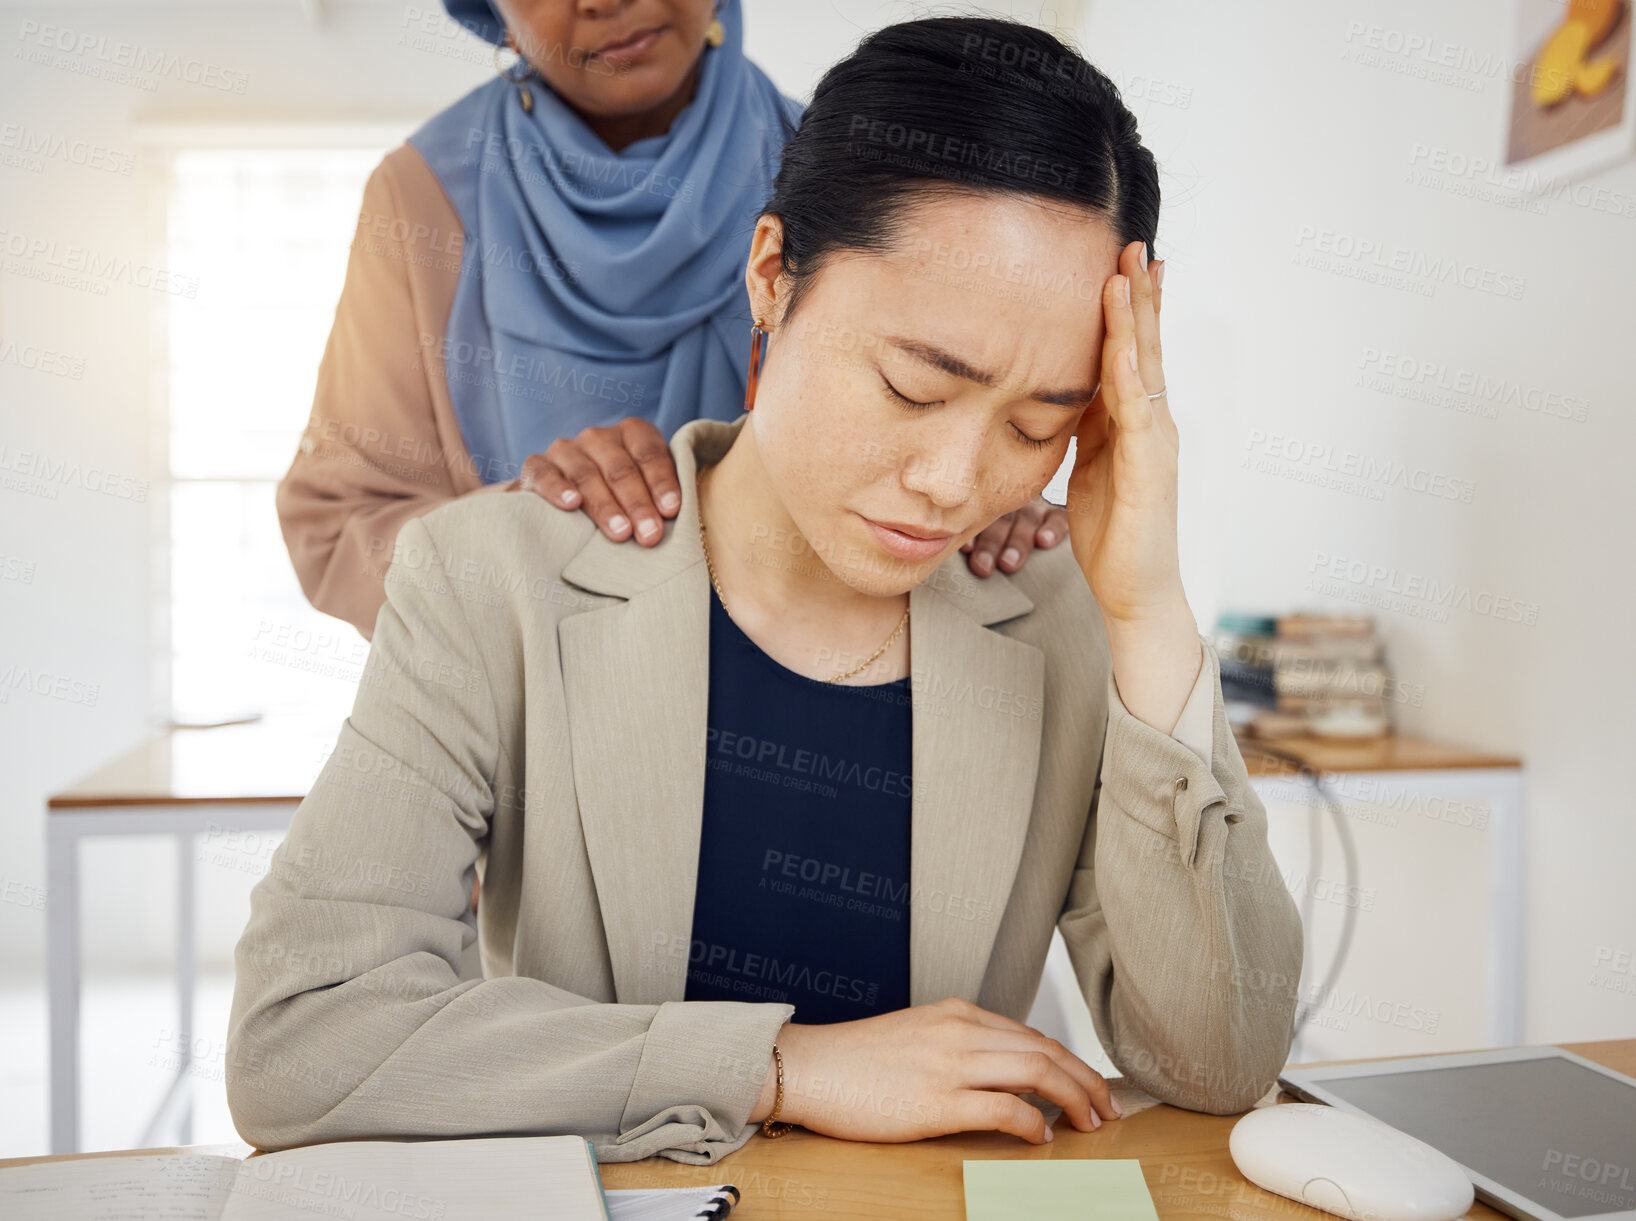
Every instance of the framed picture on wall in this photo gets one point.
(1572, 109)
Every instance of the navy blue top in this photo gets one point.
(803, 889)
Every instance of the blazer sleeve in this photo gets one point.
(1184, 938)
(349, 1019)
(371, 456)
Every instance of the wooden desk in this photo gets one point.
(1184, 1158)
(229, 782)
(1393, 753)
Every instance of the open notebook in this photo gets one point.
(498, 1179)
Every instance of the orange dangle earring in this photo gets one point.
(758, 341)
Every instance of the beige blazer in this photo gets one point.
(535, 700)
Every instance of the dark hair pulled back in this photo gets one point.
(948, 104)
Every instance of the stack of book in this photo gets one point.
(1304, 673)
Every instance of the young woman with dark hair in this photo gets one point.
(776, 818)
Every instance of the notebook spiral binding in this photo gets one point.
(720, 1206)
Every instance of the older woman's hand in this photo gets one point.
(619, 475)
(625, 478)
(1009, 541)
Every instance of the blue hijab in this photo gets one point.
(597, 285)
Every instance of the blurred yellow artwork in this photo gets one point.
(1563, 66)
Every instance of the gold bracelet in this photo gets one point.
(768, 1127)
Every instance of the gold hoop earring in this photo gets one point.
(523, 92)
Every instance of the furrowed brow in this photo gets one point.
(937, 358)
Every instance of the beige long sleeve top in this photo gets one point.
(382, 444)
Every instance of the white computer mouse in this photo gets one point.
(1347, 1164)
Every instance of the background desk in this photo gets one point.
(1437, 956)
(181, 783)
(1184, 1158)
(1436, 963)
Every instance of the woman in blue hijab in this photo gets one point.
(546, 283)
(595, 268)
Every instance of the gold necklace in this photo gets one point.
(716, 585)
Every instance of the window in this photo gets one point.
(266, 232)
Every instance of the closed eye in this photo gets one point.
(904, 398)
(912, 404)
(1035, 442)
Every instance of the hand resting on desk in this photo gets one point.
(927, 1071)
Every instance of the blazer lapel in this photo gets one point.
(636, 677)
(978, 698)
(637, 685)
(636, 682)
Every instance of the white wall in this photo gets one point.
(1266, 126)
(1290, 128)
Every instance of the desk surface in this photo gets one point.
(1394, 753)
(271, 760)
(1184, 1157)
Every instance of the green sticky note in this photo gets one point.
(1093, 1189)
